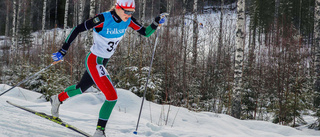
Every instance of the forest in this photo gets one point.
(252, 59)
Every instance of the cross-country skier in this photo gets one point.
(108, 29)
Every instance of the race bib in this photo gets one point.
(102, 70)
(104, 47)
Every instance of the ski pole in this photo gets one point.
(144, 93)
(145, 89)
(31, 77)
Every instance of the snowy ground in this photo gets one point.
(82, 112)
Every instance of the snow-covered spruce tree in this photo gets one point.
(25, 40)
(130, 78)
(49, 83)
(248, 102)
(127, 79)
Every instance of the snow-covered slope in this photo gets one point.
(82, 112)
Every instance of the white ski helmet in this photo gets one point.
(126, 4)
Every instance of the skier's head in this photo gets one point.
(125, 8)
(125, 4)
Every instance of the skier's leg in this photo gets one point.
(85, 82)
(82, 86)
(70, 91)
(95, 67)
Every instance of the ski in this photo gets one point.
(58, 121)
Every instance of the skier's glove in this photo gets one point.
(160, 19)
(59, 55)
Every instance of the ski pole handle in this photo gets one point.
(162, 15)
(56, 62)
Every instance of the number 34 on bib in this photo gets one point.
(112, 45)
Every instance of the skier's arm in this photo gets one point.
(142, 30)
(86, 25)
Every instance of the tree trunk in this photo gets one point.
(65, 22)
(56, 14)
(14, 47)
(43, 23)
(184, 57)
(99, 6)
(141, 42)
(195, 36)
(25, 7)
(25, 26)
(81, 3)
(74, 12)
(43, 45)
(81, 11)
(240, 36)
(143, 11)
(168, 59)
(31, 14)
(220, 36)
(92, 13)
(7, 33)
(217, 69)
(92, 8)
(152, 3)
(18, 23)
(317, 44)
(169, 7)
(317, 53)
(7, 18)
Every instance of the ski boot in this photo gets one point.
(55, 104)
(99, 132)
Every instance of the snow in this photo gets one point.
(82, 111)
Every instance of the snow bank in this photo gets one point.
(82, 111)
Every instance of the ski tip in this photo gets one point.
(135, 132)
